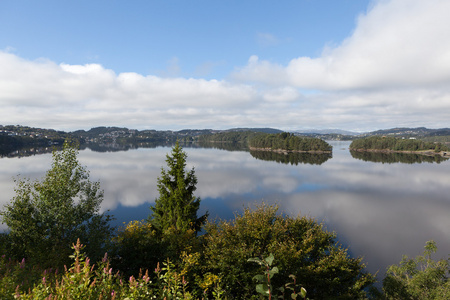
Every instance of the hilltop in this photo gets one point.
(17, 136)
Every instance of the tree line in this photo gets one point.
(395, 144)
(176, 254)
(229, 137)
(288, 142)
(274, 141)
(390, 158)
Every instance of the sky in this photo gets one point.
(358, 65)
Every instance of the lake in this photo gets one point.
(380, 206)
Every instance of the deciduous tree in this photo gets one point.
(47, 216)
(419, 278)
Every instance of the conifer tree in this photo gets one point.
(176, 208)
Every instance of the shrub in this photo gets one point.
(301, 247)
(139, 246)
(418, 278)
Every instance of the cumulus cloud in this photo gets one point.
(393, 70)
(43, 90)
(397, 43)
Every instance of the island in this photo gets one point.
(283, 142)
(399, 145)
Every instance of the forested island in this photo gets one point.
(278, 142)
(398, 145)
(287, 142)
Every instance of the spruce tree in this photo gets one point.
(176, 208)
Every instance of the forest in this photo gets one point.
(289, 142)
(59, 246)
(395, 144)
(229, 137)
(284, 141)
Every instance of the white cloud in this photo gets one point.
(90, 95)
(393, 70)
(397, 43)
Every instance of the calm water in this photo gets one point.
(379, 210)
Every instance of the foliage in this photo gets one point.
(265, 287)
(17, 276)
(302, 248)
(46, 216)
(289, 142)
(439, 139)
(395, 144)
(229, 137)
(84, 280)
(419, 278)
(176, 208)
(139, 246)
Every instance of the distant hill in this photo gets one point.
(327, 131)
(28, 136)
(264, 130)
(413, 132)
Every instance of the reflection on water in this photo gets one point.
(406, 158)
(294, 158)
(380, 211)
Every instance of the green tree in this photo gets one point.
(301, 247)
(419, 278)
(45, 217)
(176, 208)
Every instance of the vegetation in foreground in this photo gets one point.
(259, 254)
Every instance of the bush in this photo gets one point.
(139, 246)
(418, 278)
(301, 247)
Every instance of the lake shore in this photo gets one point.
(288, 151)
(422, 152)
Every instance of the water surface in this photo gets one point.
(379, 210)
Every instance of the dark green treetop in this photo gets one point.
(176, 208)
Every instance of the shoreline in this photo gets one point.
(283, 151)
(421, 152)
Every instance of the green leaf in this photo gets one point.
(262, 289)
(269, 259)
(260, 278)
(273, 271)
(303, 292)
(256, 260)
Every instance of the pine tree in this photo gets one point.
(176, 208)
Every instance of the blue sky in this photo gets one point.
(350, 64)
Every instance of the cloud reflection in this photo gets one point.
(380, 211)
